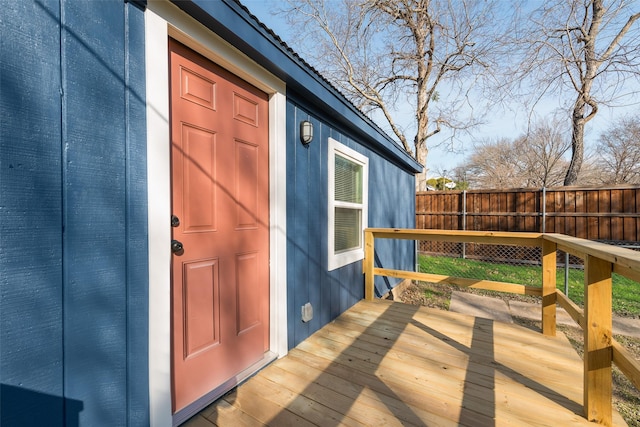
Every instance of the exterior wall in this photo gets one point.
(73, 253)
(391, 204)
(305, 259)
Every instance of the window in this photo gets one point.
(348, 179)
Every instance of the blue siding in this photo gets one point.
(298, 230)
(392, 208)
(137, 259)
(73, 254)
(391, 204)
(31, 354)
(94, 193)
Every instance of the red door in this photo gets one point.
(220, 202)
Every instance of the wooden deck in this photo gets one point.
(384, 363)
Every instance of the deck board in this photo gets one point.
(386, 363)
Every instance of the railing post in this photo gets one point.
(598, 350)
(368, 265)
(549, 287)
(566, 273)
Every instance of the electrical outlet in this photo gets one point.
(307, 312)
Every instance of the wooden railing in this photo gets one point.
(600, 261)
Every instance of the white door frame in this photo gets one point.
(164, 20)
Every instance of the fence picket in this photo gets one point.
(610, 214)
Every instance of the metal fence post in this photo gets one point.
(464, 221)
(544, 210)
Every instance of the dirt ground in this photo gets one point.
(626, 398)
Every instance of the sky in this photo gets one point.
(510, 123)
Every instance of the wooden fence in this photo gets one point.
(604, 214)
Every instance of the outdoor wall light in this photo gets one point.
(306, 132)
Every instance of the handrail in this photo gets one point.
(600, 261)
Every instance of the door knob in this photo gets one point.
(177, 247)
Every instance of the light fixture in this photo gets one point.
(306, 132)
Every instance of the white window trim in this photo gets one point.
(337, 260)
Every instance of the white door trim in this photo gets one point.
(164, 20)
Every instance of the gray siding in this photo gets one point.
(73, 253)
(391, 204)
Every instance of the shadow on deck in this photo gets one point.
(386, 363)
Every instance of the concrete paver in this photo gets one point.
(498, 309)
(533, 311)
(479, 306)
(626, 326)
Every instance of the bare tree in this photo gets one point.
(543, 149)
(387, 54)
(588, 48)
(494, 164)
(535, 159)
(619, 152)
(592, 171)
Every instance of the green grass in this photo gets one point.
(626, 292)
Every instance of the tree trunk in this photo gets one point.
(577, 144)
(421, 178)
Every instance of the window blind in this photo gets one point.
(348, 180)
(347, 229)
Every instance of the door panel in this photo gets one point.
(220, 194)
(248, 185)
(201, 306)
(199, 191)
(245, 109)
(247, 300)
(197, 89)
